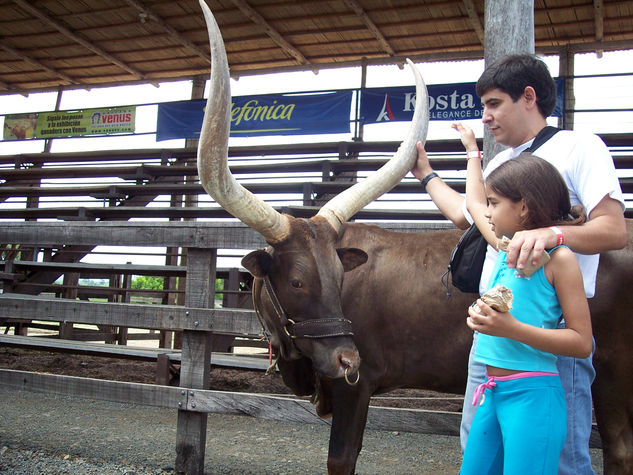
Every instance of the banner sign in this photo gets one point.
(271, 114)
(560, 97)
(45, 125)
(392, 104)
(454, 102)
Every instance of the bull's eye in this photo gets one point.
(296, 283)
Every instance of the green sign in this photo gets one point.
(46, 125)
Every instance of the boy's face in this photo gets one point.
(504, 117)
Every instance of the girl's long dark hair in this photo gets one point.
(538, 182)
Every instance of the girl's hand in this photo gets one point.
(467, 136)
(489, 321)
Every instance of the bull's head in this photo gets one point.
(299, 277)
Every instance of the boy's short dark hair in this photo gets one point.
(512, 74)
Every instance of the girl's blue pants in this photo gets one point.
(519, 428)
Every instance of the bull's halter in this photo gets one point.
(312, 328)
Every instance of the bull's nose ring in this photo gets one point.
(354, 383)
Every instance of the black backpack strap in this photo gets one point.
(543, 136)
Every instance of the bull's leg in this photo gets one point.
(613, 404)
(349, 416)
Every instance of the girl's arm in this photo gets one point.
(476, 201)
(573, 340)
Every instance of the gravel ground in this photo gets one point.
(81, 436)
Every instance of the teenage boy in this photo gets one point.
(518, 94)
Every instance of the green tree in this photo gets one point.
(145, 282)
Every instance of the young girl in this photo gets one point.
(520, 426)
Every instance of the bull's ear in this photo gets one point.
(351, 257)
(258, 263)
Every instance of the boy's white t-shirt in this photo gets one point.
(585, 164)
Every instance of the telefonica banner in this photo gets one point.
(45, 125)
(270, 114)
(446, 102)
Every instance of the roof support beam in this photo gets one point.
(256, 18)
(474, 19)
(371, 26)
(36, 63)
(26, 6)
(598, 12)
(175, 34)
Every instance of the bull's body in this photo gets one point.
(410, 335)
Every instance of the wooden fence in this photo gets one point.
(69, 232)
(197, 320)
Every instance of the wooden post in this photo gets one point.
(162, 369)
(71, 290)
(225, 343)
(359, 127)
(110, 331)
(566, 69)
(232, 284)
(125, 298)
(197, 92)
(195, 363)
(509, 29)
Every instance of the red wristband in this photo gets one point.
(560, 237)
(473, 154)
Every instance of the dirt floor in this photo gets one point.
(223, 379)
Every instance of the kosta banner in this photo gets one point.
(44, 125)
(454, 102)
(446, 102)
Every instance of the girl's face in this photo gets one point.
(504, 215)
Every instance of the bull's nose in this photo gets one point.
(350, 361)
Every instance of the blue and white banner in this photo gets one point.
(271, 114)
(325, 113)
(446, 102)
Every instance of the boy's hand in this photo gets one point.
(422, 166)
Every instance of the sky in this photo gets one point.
(600, 93)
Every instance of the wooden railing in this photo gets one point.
(197, 320)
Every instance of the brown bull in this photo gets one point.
(322, 279)
(409, 335)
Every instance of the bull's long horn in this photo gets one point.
(215, 176)
(343, 206)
